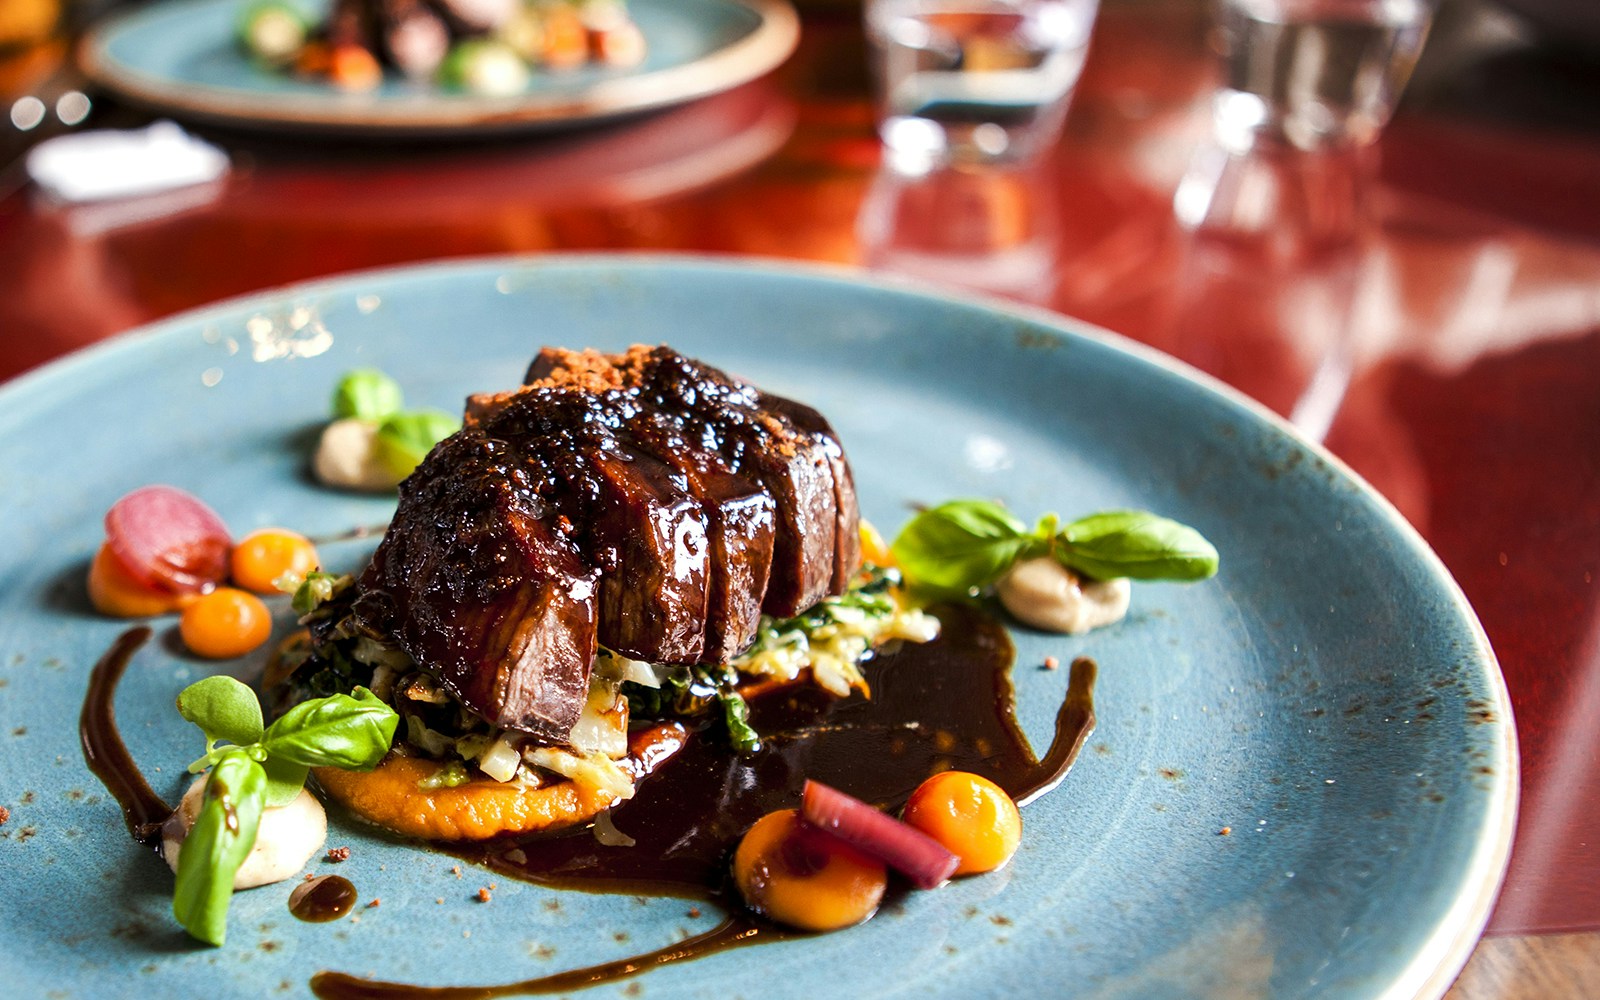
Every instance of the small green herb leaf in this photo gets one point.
(223, 708)
(366, 394)
(1136, 544)
(217, 844)
(961, 545)
(285, 779)
(404, 439)
(341, 731)
(736, 712)
(315, 589)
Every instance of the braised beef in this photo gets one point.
(477, 582)
(641, 501)
(632, 513)
(733, 419)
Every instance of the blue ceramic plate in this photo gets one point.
(1329, 698)
(180, 57)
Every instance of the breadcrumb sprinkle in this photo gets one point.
(337, 854)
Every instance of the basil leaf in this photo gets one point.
(223, 708)
(960, 545)
(404, 439)
(736, 712)
(352, 733)
(1136, 544)
(285, 778)
(217, 844)
(366, 394)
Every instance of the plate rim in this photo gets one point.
(769, 45)
(1435, 965)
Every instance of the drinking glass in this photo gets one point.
(1307, 87)
(1314, 73)
(974, 81)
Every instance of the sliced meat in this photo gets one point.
(651, 545)
(740, 527)
(634, 516)
(847, 522)
(725, 417)
(478, 584)
(642, 501)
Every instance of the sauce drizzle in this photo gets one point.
(103, 750)
(731, 933)
(935, 706)
(324, 898)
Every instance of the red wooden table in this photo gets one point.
(1462, 378)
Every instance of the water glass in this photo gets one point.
(1314, 73)
(1307, 85)
(974, 81)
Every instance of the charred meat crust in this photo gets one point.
(642, 501)
(476, 581)
(753, 434)
(846, 531)
(632, 515)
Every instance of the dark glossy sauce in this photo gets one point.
(324, 898)
(731, 933)
(943, 705)
(103, 750)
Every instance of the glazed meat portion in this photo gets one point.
(476, 580)
(640, 501)
(631, 515)
(748, 433)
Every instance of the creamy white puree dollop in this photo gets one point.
(1046, 595)
(288, 837)
(347, 457)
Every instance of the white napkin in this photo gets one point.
(106, 164)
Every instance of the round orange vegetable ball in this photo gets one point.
(224, 623)
(970, 815)
(263, 556)
(114, 591)
(793, 873)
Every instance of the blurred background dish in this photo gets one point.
(181, 58)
